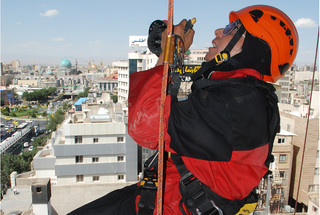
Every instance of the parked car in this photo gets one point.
(26, 144)
(30, 148)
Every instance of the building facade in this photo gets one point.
(91, 146)
(123, 79)
(309, 187)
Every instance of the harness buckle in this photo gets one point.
(221, 57)
(148, 188)
(195, 197)
(148, 183)
(209, 208)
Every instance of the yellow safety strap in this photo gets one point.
(247, 209)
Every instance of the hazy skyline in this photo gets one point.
(45, 32)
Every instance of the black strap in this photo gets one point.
(212, 63)
(148, 186)
(193, 193)
(235, 39)
(147, 199)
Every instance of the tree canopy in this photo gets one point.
(39, 95)
(18, 163)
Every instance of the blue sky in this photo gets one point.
(44, 32)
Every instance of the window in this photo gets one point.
(95, 160)
(120, 177)
(95, 140)
(288, 128)
(279, 190)
(120, 158)
(79, 159)
(315, 209)
(95, 178)
(282, 174)
(312, 188)
(283, 158)
(79, 178)
(78, 139)
(120, 139)
(316, 171)
(281, 140)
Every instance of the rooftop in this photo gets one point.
(64, 199)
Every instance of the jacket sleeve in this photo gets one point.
(144, 107)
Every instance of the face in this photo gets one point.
(221, 41)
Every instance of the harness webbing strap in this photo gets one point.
(194, 194)
(148, 186)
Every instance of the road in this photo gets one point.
(39, 122)
(5, 130)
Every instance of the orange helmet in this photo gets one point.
(276, 28)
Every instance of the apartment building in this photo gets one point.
(91, 146)
(123, 79)
(286, 85)
(196, 56)
(309, 185)
(281, 168)
(274, 190)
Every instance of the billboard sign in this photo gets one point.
(188, 70)
(138, 41)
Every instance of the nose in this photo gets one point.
(219, 32)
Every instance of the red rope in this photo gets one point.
(161, 122)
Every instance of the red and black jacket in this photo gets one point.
(223, 131)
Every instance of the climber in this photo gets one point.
(218, 141)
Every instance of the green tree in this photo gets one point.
(1, 102)
(40, 141)
(39, 95)
(55, 119)
(27, 156)
(65, 108)
(10, 163)
(114, 98)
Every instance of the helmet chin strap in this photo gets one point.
(221, 57)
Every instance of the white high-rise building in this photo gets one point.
(138, 61)
(91, 146)
(123, 79)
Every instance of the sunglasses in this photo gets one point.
(230, 27)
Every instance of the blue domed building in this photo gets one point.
(65, 66)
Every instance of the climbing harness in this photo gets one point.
(194, 194)
(148, 186)
(197, 198)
